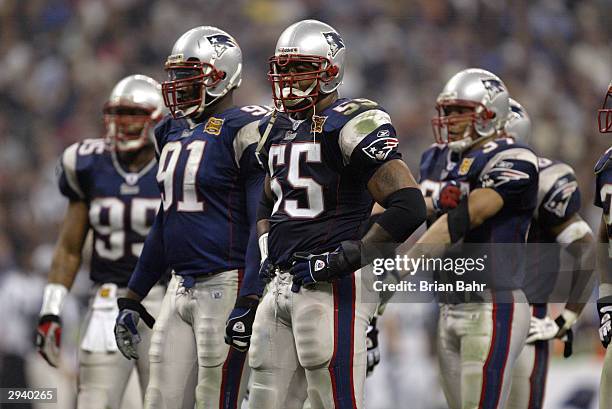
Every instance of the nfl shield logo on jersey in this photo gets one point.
(220, 43)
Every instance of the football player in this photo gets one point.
(204, 231)
(111, 187)
(495, 186)
(556, 220)
(328, 159)
(603, 199)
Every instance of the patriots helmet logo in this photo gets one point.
(517, 110)
(380, 148)
(494, 87)
(335, 42)
(221, 43)
(560, 197)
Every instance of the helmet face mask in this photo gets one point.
(185, 91)
(472, 106)
(204, 65)
(457, 121)
(128, 126)
(296, 80)
(132, 111)
(604, 115)
(307, 65)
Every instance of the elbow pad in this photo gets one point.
(405, 212)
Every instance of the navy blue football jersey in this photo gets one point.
(122, 206)
(319, 170)
(509, 168)
(210, 184)
(558, 201)
(603, 189)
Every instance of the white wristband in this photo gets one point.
(573, 232)
(605, 290)
(570, 318)
(53, 299)
(263, 246)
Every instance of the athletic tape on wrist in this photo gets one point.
(605, 290)
(263, 246)
(573, 232)
(53, 299)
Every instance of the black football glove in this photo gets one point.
(239, 325)
(604, 308)
(372, 345)
(312, 268)
(267, 270)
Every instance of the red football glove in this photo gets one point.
(448, 197)
(48, 338)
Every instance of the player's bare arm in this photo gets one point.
(67, 255)
(64, 268)
(604, 262)
(482, 204)
(578, 239)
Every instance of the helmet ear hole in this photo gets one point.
(332, 71)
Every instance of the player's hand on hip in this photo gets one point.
(267, 270)
(542, 329)
(311, 268)
(126, 326)
(448, 197)
(48, 338)
(239, 325)
(372, 346)
(604, 308)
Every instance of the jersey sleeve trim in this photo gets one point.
(355, 130)
(69, 164)
(246, 136)
(513, 153)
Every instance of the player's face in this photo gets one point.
(184, 92)
(460, 121)
(300, 71)
(127, 126)
(191, 90)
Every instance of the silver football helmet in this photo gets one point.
(134, 107)
(475, 97)
(518, 123)
(604, 115)
(309, 54)
(205, 64)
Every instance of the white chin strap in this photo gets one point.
(130, 145)
(467, 142)
(291, 91)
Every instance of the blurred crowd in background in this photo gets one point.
(59, 60)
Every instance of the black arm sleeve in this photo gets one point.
(405, 212)
(264, 211)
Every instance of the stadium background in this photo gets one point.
(60, 58)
